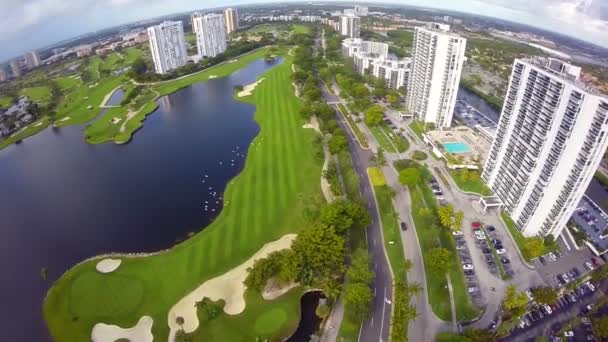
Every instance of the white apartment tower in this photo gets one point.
(361, 10)
(168, 46)
(210, 32)
(350, 25)
(433, 84)
(552, 134)
(231, 17)
(32, 59)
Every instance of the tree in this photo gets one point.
(338, 143)
(209, 310)
(414, 288)
(480, 335)
(358, 297)
(410, 176)
(445, 214)
(374, 115)
(393, 100)
(344, 215)
(545, 295)
(439, 260)
(267, 268)
(464, 176)
(458, 218)
(380, 157)
(533, 247)
(359, 270)
(600, 327)
(474, 176)
(425, 212)
(515, 302)
(407, 265)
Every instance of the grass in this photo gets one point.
(599, 176)
(349, 176)
(130, 55)
(28, 131)
(388, 140)
(476, 186)
(418, 128)
(300, 28)
(430, 235)
(353, 125)
(5, 101)
(266, 201)
(93, 67)
(442, 177)
(263, 320)
(67, 83)
(376, 176)
(520, 239)
(37, 94)
(391, 231)
(190, 38)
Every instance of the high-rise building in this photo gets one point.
(231, 17)
(350, 25)
(350, 46)
(168, 46)
(361, 10)
(32, 59)
(552, 134)
(210, 32)
(433, 84)
(15, 68)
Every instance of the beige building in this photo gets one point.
(231, 17)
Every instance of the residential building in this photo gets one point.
(349, 11)
(84, 50)
(210, 32)
(309, 18)
(32, 59)
(15, 68)
(168, 46)
(395, 73)
(433, 84)
(361, 11)
(231, 18)
(350, 46)
(350, 26)
(552, 134)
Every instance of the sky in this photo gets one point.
(30, 24)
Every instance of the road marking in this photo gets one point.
(383, 309)
(374, 242)
(360, 330)
(371, 323)
(374, 287)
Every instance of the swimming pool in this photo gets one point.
(456, 147)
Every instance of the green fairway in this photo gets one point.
(130, 55)
(300, 28)
(67, 83)
(37, 94)
(264, 202)
(190, 38)
(92, 69)
(5, 101)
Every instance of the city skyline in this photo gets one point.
(586, 21)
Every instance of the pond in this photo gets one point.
(309, 321)
(65, 200)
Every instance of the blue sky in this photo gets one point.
(29, 24)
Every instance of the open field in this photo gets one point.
(300, 28)
(5, 101)
(388, 140)
(264, 202)
(67, 83)
(37, 94)
(477, 186)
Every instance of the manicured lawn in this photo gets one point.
(418, 128)
(262, 320)
(477, 186)
(67, 83)
(300, 28)
(111, 62)
(130, 55)
(431, 236)
(95, 63)
(265, 202)
(5, 101)
(376, 176)
(190, 38)
(391, 231)
(388, 140)
(358, 134)
(37, 94)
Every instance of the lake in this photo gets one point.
(64, 200)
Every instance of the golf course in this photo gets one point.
(263, 204)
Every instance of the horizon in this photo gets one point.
(79, 31)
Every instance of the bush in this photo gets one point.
(419, 155)
(322, 311)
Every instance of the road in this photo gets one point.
(376, 328)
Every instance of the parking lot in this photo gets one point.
(559, 269)
(592, 219)
(471, 117)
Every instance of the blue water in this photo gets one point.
(456, 147)
(64, 200)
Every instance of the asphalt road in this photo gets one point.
(376, 328)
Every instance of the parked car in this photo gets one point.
(476, 225)
(473, 289)
(501, 251)
(457, 233)
(467, 266)
(480, 237)
(469, 272)
(589, 266)
(546, 309)
(590, 286)
(552, 256)
(496, 242)
(505, 260)
(542, 260)
(486, 251)
(403, 226)
(490, 228)
(575, 273)
(565, 278)
(491, 264)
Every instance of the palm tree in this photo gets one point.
(411, 313)
(458, 218)
(414, 288)
(445, 214)
(407, 265)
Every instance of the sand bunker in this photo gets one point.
(108, 265)
(65, 119)
(141, 332)
(229, 287)
(116, 120)
(274, 290)
(248, 89)
(38, 124)
(212, 76)
(233, 60)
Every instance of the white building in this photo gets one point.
(32, 59)
(168, 46)
(231, 17)
(552, 134)
(433, 85)
(309, 18)
(395, 73)
(350, 46)
(350, 26)
(361, 11)
(210, 32)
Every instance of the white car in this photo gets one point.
(547, 309)
(480, 237)
(457, 233)
(501, 251)
(589, 266)
(569, 333)
(530, 296)
(473, 289)
(590, 286)
(467, 267)
(552, 256)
